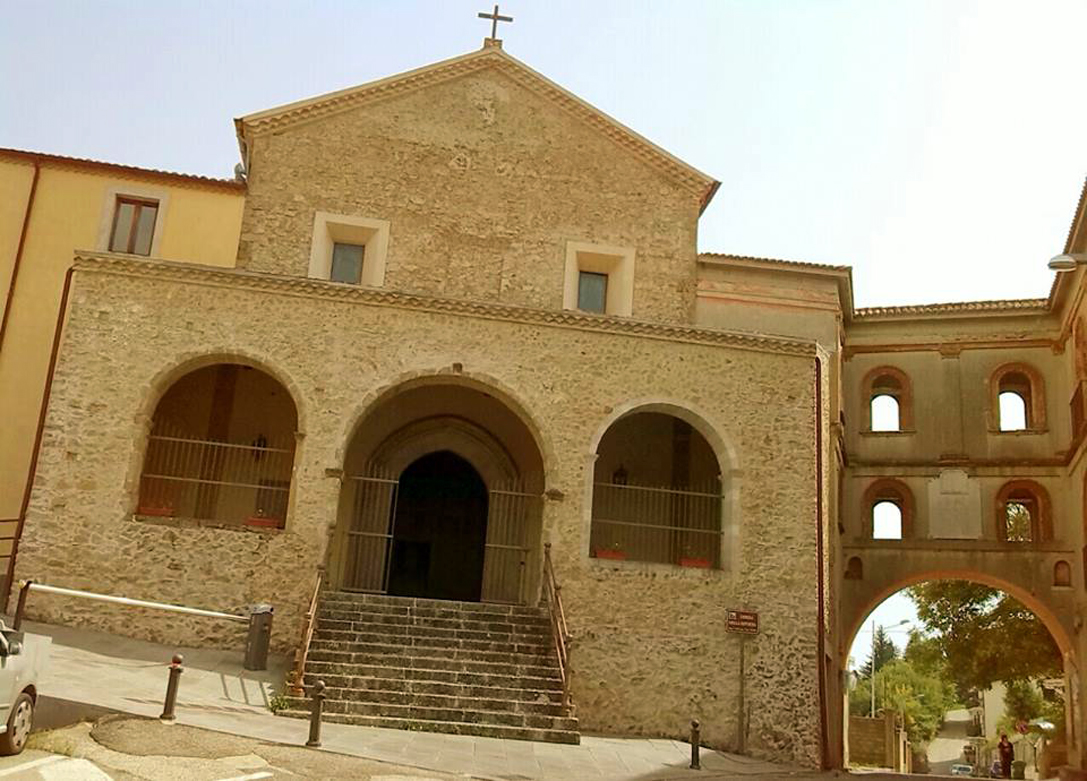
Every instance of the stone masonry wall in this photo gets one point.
(650, 648)
(483, 182)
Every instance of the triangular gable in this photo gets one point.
(488, 57)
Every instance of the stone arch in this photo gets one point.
(888, 381)
(230, 467)
(1060, 633)
(471, 442)
(724, 452)
(177, 367)
(453, 376)
(893, 490)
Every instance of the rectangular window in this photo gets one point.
(592, 291)
(133, 226)
(347, 263)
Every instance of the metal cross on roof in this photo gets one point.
(495, 19)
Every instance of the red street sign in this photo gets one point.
(1022, 727)
(745, 622)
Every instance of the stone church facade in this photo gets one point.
(465, 270)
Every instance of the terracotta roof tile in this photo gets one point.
(117, 168)
(1039, 305)
(795, 263)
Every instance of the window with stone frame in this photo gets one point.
(1017, 399)
(889, 396)
(1023, 513)
(889, 510)
(133, 225)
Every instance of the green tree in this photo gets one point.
(1022, 701)
(883, 651)
(985, 635)
(920, 699)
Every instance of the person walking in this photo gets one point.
(1007, 755)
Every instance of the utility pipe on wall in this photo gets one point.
(19, 252)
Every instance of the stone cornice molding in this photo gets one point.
(494, 58)
(185, 273)
(1015, 306)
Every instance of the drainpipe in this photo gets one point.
(19, 251)
(57, 331)
(824, 752)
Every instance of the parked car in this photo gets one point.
(22, 660)
(962, 769)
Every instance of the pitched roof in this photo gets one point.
(1078, 218)
(493, 57)
(797, 264)
(121, 170)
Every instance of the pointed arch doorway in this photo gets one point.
(442, 499)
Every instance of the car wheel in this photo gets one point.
(13, 741)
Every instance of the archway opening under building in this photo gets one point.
(441, 497)
(938, 671)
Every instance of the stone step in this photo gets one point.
(516, 653)
(394, 633)
(348, 683)
(397, 604)
(537, 669)
(543, 707)
(427, 713)
(339, 674)
(450, 727)
(361, 622)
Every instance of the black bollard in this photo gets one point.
(315, 715)
(171, 689)
(696, 742)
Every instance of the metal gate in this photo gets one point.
(371, 528)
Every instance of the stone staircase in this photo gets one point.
(437, 666)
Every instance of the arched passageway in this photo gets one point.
(221, 449)
(935, 666)
(441, 498)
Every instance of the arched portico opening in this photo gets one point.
(982, 625)
(441, 497)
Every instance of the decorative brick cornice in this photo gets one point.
(487, 58)
(275, 284)
(1038, 306)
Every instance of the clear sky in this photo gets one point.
(937, 147)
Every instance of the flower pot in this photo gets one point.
(161, 511)
(609, 553)
(263, 522)
(694, 561)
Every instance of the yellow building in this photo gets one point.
(51, 207)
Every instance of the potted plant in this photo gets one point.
(259, 519)
(614, 552)
(162, 508)
(690, 559)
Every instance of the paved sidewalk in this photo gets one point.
(216, 693)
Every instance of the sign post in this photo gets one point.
(746, 624)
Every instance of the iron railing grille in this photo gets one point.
(227, 482)
(664, 525)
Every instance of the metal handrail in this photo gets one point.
(296, 685)
(27, 585)
(558, 626)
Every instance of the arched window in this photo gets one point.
(221, 449)
(1017, 398)
(888, 509)
(1023, 513)
(657, 493)
(1062, 574)
(854, 570)
(889, 397)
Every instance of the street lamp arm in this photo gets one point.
(1067, 261)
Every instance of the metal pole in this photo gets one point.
(873, 713)
(20, 608)
(171, 689)
(315, 715)
(696, 742)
